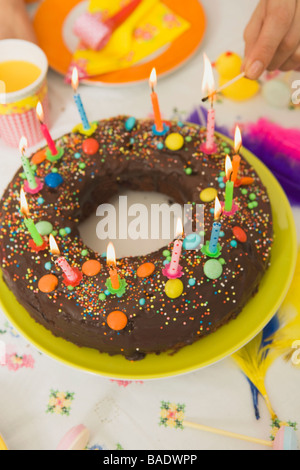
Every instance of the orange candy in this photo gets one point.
(48, 283)
(117, 320)
(91, 267)
(38, 157)
(145, 270)
(239, 234)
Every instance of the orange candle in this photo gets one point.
(111, 261)
(154, 98)
(236, 159)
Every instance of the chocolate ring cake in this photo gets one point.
(139, 307)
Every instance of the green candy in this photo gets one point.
(166, 253)
(213, 269)
(102, 297)
(44, 227)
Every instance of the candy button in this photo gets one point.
(44, 227)
(90, 146)
(174, 288)
(39, 157)
(191, 242)
(145, 270)
(208, 194)
(91, 267)
(53, 180)
(75, 439)
(213, 269)
(130, 123)
(239, 234)
(174, 141)
(48, 283)
(117, 320)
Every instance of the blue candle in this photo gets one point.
(77, 98)
(213, 245)
(214, 239)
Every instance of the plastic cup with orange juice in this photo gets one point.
(23, 83)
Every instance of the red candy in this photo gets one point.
(90, 146)
(239, 234)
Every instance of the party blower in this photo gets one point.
(95, 33)
(285, 438)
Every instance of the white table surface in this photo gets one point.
(128, 414)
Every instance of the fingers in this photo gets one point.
(278, 19)
(287, 54)
(253, 28)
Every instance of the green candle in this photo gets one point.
(229, 186)
(30, 176)
(36, 237)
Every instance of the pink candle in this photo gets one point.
(210, 135)
(45, 130)
(70, 274)
(176, 254)
(173, 270)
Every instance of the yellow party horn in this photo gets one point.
(2, 444)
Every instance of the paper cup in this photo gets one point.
(18, 109)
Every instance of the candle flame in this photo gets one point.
(218, 208)
(23, 144)
(75, 79)
(111, 255)
(53, 245)
(40, 111)
(179, 228)
(23, 203)
(153, 78)
(208, 83)
(228, 167)
(237, 139)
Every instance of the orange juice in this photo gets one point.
(18, 74)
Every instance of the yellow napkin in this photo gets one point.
(150, 27)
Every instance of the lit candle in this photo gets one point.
(36, 237)
(45, 130)
(72, 275)
(236, 159)
(173, 270)
(78, 101)
(154, 98)
(229, 185)
(208, 85)
(30, 176)
(111, 262)
(213, 244)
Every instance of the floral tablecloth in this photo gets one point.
(41, 399)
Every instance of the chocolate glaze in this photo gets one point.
(132, 160)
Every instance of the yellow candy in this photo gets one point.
(208, 194)
(174, 141)
(173, 288)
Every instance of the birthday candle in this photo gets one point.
(177, 249)
(208, 84)
(30, 176)
(111, 261)
(155, 104)
(78, 101)
(229, 186)
(71, 275)
(45, 130)
(38, 240)
(213, 245)
(236, 159)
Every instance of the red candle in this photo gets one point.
(208, 85)
(45, 130)
(154, 98)
(72, 276)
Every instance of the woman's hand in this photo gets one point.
(14, 21)
(272, 38)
